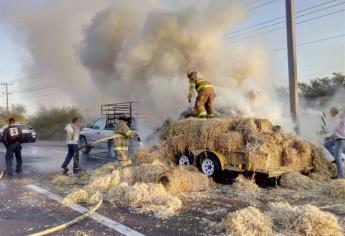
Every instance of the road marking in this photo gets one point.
(95, 216)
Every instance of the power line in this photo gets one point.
(280, 28)
(282, 17)
(32, 89)
(280, 22)
(262, 5)
(315, 41)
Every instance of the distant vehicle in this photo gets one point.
(104, 126)
(29, 135)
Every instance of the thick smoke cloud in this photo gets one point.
(101, 51)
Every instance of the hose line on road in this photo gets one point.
(68, 224)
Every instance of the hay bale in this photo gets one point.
(184, 179)
(303, 220)
(232, 140)
(335, 188)
(148, 197)
(296, 181)
(323, 169)
(248, 221)
(263, 126)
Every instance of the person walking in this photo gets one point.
(12, 137)
(72, 140)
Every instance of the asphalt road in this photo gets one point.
(24, 211)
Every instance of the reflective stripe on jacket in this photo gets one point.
(202, 84)
(122, 136)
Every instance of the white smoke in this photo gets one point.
(141, 50)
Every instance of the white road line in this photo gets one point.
(95, 216)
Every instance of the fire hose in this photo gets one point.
(137, 139)
(68, 224)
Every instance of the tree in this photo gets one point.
(50, 123)
(322, 87)
(16, 111)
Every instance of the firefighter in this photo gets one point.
(122, 136)
(12, 138)
(204, 101)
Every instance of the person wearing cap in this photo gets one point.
(122, 136)
(204, 101)
(335, 142)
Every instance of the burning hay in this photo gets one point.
(263, 147)
(303, 220)
(78, 196)
(185, 179)
(248, 221)
(335, 188)
(296, 181)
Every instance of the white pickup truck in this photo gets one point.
(102, 127)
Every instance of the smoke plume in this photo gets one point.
(140, 50)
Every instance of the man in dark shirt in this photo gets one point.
(12, 137)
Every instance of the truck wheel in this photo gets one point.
(185, 159)
(209, 164)
(83, 142)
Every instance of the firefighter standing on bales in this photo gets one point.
(122, 136)
(204, 101)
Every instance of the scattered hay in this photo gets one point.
(78, 196)
(184, 179)
(248, 221)
(62, 180)
(148, 197)
(246, 188)
(303, 220)
(296, 181)
(335, 188)
(135, 186)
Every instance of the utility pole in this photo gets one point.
(291, 47)
(7, 93)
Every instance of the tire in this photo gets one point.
(209, 164)
(111, 153)
(184, 159)
(83, 142)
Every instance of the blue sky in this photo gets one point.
(316, 59)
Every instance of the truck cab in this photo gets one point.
(104, 126)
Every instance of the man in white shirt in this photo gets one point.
(72, 140)
(336, 140)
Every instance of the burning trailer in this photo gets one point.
(237, 144)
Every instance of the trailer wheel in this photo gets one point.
(185, 158)
(209, 164)
(83, 142)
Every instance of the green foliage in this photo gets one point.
(17, 111)
(322, 87)
(50, 123)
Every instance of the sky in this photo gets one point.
(313, 59)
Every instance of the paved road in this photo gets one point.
(24, 211)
